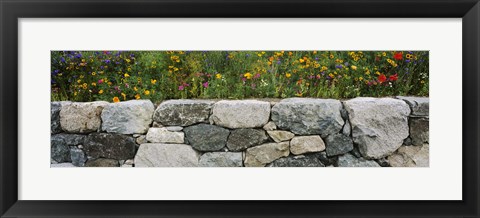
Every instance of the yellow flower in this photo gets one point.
(331, 56)
(124, 96)
(354, 67)
(218, 76)
(137, 96)
(79, 81)
(135, 88)
(146, 92)
(301, 60)
(288, 75)
(360, 78)
(247, 75)
(115, 99)
(153, 81)
(85, 86)
(100, 92)
(378, 73)
(94, 84)
(126, 75)
(93, 73)
(290, 53)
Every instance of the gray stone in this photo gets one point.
(241, 139)
(355, 152)
(70, 139)
(78, 157)
(307, 116)
(55, 108)
(379, 125)
(59, 150)
(61, 165)
(110, 145)
(237, 114)
(174, 128)
(162, 135)
(80, 117)
(419, 130)
(183, 112)
(306, 144)
(270, 126)
(348, 160)
(383, 162)
(221, 159)
(327, 161)
(307, 160)
(166, 155)
(410, 156)
(418, 105)
(141, 140)
(347, 129)
(280, 135)
(338, 144)
(129, 162)
(128, 117)
(206, 137)
(261, 155)
(102, 162)
(407, 141)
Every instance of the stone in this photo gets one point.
(78, 157)
(128, 162)
(70, 139)
(102, 162)
(280, 135)
(141, 139)
(128, 117)
(166, 155)
(407, 141)
(81, 117)
(156, 124)
(419, 105)
(262, 155)
(308, 116)
(221, 159)
(59, 150)
(162, 135)
(109, 145)
(306, 144)
(183, 112)
(410, 156)
(206, 137)
(174, 128)
(308, 160)
(270, 126)
(355, 152)
(337, 144)
(61, 165)
(419, 130)
(237, 114)
(241, 139)
(327, 161)
(55, 108)
(347, 129)
(383, 162)
(348, 160)
(379, 125)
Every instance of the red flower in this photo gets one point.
(382, 78)
(393, 77)
(398, 56)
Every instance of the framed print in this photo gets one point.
(226, 108)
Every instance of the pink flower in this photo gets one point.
(181, 88)
(256, 76)
(205, 84)
(244, 79)
(100, 81)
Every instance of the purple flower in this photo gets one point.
(279, 62)
(338, 66)
(181, 88)
(346, 64)
(107, 61)
(79, 55)
(205, 84)
(62, 59)
(256, 76)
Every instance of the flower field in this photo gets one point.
(157, 75)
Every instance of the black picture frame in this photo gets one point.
(11, 11)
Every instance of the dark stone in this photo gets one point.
(337, 144)
(102, 162)
(109, 145)
(419, 130)
(355, 152)
(383, 162)
(322, 156)
(55, 108)
(407, 141)
(205, 137)
(78, 156)
(344, 114)
(241, 139)
(307, 160)
(348, 160)
(71, 139)
(59, 151)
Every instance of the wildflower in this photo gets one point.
(93, 73)
(248, 75)
(124, 96)
(100, 92)
(393, 77)
(290, 53)
(116, 99)
(94, 84)
(205, 84)
(135, 88)
(256, 76)
(153, 81)
(353, 67)
(137, 96)
(360, 78)
(398, 56)
(100, 81)
(85, 85)
(181, 87)
(288, 75)
(218, 76)
(382, 78)
(126, 75)
(146, 92)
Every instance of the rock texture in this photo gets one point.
(241, 139)
(306, 144)
(338, 144)
(379, 125)
(81, 117)
(410, 156)
(59, 150)
(78, 157)
(419, 130)
(221, 159)
(183, 112)
(261, 155)
(418, 105)
(166, 155)
(280, 135)
(348, 160)
(102, 162)
(55, 108)
(70, 139)
(206, 137)
(305, 116)
(109, 145)
(270, 126)
(308, 160)
(162, 135)
(128, 117)
(241, 113)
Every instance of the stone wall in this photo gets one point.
(295, 132)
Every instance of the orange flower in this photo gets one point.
(116, 99)
(382, 78)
